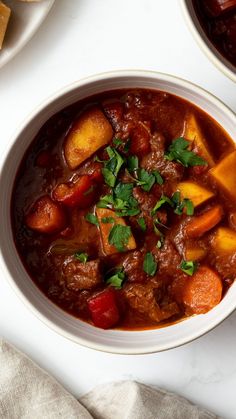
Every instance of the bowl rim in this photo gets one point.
(12, 143)
(205, 44)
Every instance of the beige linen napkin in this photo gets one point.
(28, 392)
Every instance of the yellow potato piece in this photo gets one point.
(193, 132)
(194, 253)
(91, 132)
(224, 174)
(196, 193)
(105, 229)
(224, 240)
(4, 18)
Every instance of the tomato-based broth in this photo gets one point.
(124, 210)
(218, 19)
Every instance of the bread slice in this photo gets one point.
(4, 19)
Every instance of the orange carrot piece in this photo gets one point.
(204, 222)
(202, 291)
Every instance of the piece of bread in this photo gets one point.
(4, 19)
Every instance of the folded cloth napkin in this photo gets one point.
(28, 392)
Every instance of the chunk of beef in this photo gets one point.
(114, 111)
(146, 200)
(80, 276)
(168, 258)
(133, 267)
(143, 298)
(155, 160)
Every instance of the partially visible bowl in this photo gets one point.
(116, 341)
(204, 42)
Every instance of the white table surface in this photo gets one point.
(79, 38)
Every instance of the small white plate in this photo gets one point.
(24, 21)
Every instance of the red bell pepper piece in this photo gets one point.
(80, 193)
(104, 309)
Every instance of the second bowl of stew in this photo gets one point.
(120, 207)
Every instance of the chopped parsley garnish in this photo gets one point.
(179, 152)
(91, 218)
(112, 166)
(117, 279)
(81, 256)
(142, 224)
(121, 200)
(132, 163)
(149, 264)
(188, 267)
(117, 141)
(180, 205)
(119, 237)
(145, 180)
(163, 200)
(159, 178)
(124, 145)
(108, 220)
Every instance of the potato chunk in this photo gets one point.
(194, 253)
(4, 18)
(194, 133)
(196, 193)
(105, 228)
(224, 240)
(90, 132)
(224, 174)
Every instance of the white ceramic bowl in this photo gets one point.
(116, 341)
(205, 44)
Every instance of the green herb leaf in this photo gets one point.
(159, 178)
(123, 191)
(179, 206)
(119, 236)
(188, 267)
(109, 177)
(91, 218)
(117, 279)
(108, 220)
(179, 152)
(81, 256)
(145, 180)
(189, 206)
(117, 141)
(132, 163)
(142, 224)
(112, 166)
(149, 264)
(163, 200)
(106, 201)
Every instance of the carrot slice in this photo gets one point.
(204, 222)
(202, 291)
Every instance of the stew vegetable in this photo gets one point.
(124, 210)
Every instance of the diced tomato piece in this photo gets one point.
(80, 193)
(140, 141)
(45, 216)
(104, 309)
